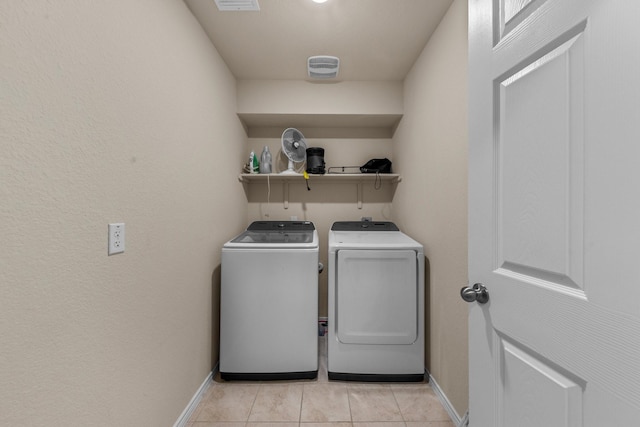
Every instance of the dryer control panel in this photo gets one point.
(364, 226)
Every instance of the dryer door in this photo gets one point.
(377, 296)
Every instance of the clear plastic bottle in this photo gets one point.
(265, 161)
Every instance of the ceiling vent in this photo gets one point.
(237, 5)
(323, 67)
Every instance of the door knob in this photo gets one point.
(476, 293)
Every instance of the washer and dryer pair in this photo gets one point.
(269, 303)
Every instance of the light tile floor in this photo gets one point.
(319, 403)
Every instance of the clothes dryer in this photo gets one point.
(269, 302)
(376, 303)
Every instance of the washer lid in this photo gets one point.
(281, 225)
(271, 237)
(276, 234)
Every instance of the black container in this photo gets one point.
(315, 160)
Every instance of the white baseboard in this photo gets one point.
(455, 417)
(195, 400)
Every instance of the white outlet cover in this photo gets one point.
(116, 238)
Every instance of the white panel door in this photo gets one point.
(554, 220)
(377, 297)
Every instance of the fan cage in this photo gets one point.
(289, 137)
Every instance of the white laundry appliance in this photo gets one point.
(376, 303)
(269, 302)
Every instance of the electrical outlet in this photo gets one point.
(116, 238)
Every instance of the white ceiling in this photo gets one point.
(374, 39)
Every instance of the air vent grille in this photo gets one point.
(237, 5)
(323, 67)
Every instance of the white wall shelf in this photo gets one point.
(329, 177)
(335, 178)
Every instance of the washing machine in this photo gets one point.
(376, 303)
(269, 302)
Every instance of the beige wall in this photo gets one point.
(117, 111)
(430, 151)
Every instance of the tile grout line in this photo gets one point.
(301, 403)
(252, 405)
(393, 393)
(348, 399)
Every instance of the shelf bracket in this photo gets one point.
(285, 193)
(360, 195)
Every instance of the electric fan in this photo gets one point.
(294, 147)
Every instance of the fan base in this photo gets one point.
(289, 172)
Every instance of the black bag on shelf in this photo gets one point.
(376, 166)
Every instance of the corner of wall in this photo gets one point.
(430, 151)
